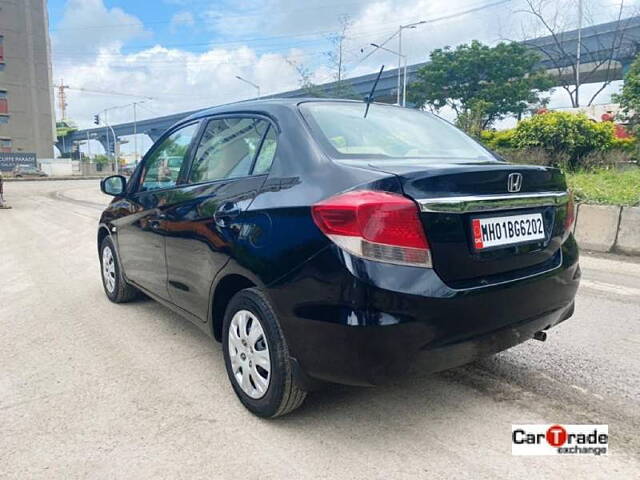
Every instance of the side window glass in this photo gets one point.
(227, 149)
(267, 153)
(162, 168)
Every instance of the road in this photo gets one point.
(90, 389)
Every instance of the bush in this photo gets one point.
(101, 160)
(624, 144)
(564, 133)
(497, 140)
(534, 156)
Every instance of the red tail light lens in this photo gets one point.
(376, 225)
(571, 213)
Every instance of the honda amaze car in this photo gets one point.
(319, 245)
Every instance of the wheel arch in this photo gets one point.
(103, 232)
(225, 289)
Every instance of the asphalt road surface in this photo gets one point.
(89, 389)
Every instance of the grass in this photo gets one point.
(606, 186)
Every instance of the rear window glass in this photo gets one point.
(388, 132)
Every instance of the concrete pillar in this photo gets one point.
(64, 145)
(154, 134)
(108, 145)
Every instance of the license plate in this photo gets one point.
(499, 231)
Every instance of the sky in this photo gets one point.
(180, 55)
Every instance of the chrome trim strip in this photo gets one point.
(488, 203)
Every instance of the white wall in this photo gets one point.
(56, 167)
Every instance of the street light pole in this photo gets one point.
(400, 55)
(257, 87)
(400, 58)
(135, 135)
(115, 140)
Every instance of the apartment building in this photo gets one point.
(27, 119)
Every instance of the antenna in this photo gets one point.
(369, 98)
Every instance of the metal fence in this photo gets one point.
(8, 161)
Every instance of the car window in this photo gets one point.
(267, 152)
(388, 133)
(227, 149)
(162, 168)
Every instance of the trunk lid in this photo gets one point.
(453, 195)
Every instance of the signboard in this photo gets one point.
(9, 160)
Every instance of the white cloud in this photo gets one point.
(182, 19)
(88, 27)
(177, 80)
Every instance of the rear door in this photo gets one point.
(141, 242)
(204, 225)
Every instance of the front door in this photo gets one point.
(204, 223)
(141, 241)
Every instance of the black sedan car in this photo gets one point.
(319, 245)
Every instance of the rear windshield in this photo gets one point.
(387, 132)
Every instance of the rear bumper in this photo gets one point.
(365, 322)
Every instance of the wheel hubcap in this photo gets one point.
(109, 269)
(249, 354)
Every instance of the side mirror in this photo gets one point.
(113, 185)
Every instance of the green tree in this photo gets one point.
(502, 80)
(629, 98)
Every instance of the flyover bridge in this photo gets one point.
(601, 44)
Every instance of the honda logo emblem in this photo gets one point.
(514, 182)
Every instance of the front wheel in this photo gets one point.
(257, 357)
(115, 286)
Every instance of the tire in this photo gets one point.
(281, 394)
(115, 286)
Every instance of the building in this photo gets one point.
(27, 121)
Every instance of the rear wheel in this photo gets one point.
(115, 286)
(257, 357)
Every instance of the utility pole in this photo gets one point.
(62, 99)
(578, 51)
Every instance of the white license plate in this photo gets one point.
(499, 231)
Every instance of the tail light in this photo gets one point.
(375, 225)
(571, 213)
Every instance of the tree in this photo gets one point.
(629, 98)
(337, 58)
(501, 80)
(555, 18)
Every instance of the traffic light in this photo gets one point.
(96, 119)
